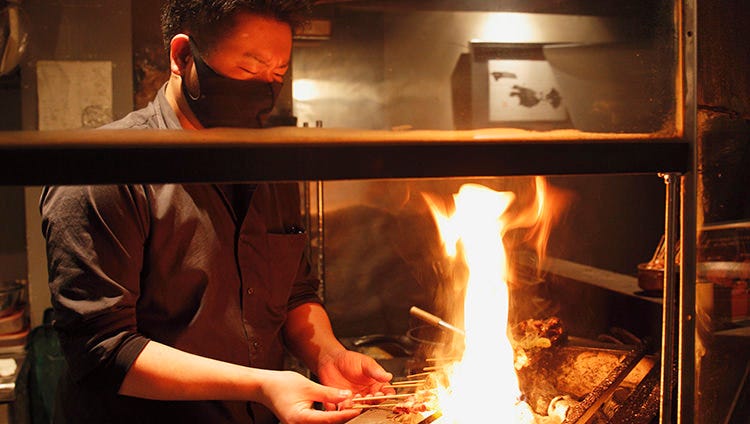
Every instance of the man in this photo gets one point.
(174, 303)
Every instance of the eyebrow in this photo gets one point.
(261, 60)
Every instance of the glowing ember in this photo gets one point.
(484, 383)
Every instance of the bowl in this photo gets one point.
(650, 277)
(428, 336)
(11, 297)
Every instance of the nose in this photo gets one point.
(269, 75)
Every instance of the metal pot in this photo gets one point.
(650, 277)
(416, 339)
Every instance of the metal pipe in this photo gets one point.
(321, 239)
(686, 382)
(669, 303)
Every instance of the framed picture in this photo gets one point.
(512, 85)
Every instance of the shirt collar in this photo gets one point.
(168, 114)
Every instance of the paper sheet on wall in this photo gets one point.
(74, 94)
(524, 90)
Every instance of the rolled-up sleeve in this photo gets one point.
(305, 288)
(95, 240)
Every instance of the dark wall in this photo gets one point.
(614, 222)
(10, 101)
(723, 142)
(13, 236)
(150, 57)
(723, 110)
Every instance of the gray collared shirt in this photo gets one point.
(176, 264)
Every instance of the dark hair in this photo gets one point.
(207, 20)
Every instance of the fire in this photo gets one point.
(474, 233)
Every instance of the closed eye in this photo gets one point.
(249, 71)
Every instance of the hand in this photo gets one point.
(290, 396)
(354, 371)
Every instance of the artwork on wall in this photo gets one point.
(513, 85)
(523, 90)
(74, 94)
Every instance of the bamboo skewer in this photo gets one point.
(435, 368)
(380, 405)
(446, 359)
(389, 397)
(383, 397)
(407, 382)
(403, 386)
(420, 374)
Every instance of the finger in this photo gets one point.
(362, 398)
(347, 404)
(333, 396)
(378, 390)
(376, 372)
(372, 369)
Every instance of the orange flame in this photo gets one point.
(483, 383)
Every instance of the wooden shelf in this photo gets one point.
(295, 154)
(612, 281)
(742, 331)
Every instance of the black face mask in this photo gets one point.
(227, 102)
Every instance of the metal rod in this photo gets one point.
(686, 370)
(321, 240)
(669, 300)
(686, 382)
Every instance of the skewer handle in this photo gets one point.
(433, 320)
(425, 316)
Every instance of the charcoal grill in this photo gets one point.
(609, 383)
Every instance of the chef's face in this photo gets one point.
(254, 48)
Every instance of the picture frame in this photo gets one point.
(512, 85)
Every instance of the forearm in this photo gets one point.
(165, 373)
(309, 335)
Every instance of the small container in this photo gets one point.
(11, 297)
(13, 323)
(650, 277)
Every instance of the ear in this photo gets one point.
(179, 54)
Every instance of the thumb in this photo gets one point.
(376, 372)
